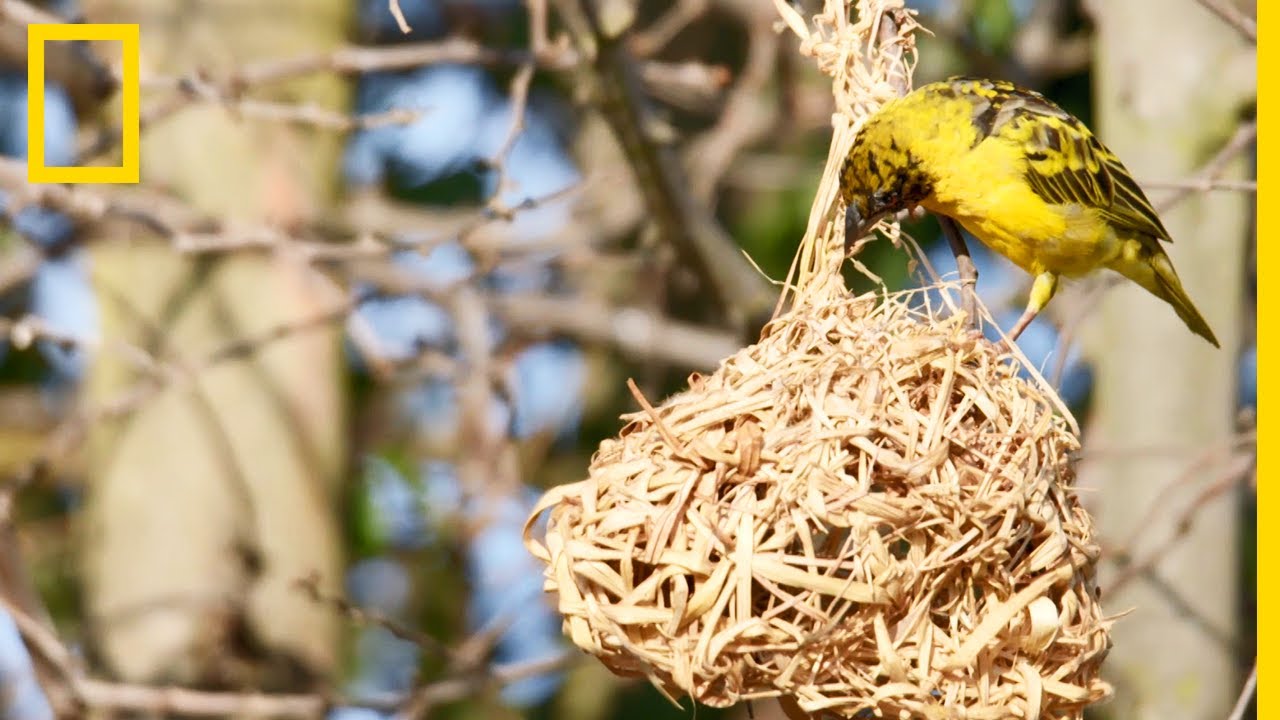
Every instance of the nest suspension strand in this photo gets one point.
(866, 513)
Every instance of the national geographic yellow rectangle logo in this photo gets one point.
(37, 36)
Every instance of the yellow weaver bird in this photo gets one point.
(1020, 174)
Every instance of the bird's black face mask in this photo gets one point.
(862, 213)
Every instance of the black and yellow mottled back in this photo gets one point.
(1020, 174)
(1066, 163)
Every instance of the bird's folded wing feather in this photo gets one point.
(1066, 163)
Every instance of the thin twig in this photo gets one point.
(1205, 185)
(362, 59)
(398, 14)
(519, 101)
(463, 684)
(1133, 568)
(19, 266)
(114, 697)
(310, 585)
(1246, 694)
(1212, 170)
(1205, 461)
(703, 245)
(191, 232)
(306, 115)
(539, 42)
(746, 117)
(663, 30)
(638, 334)
(1246, 26)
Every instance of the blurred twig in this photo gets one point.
(1043, 50)
(230, 91)
(1232, 465)
(519, 100)
(1206, 459)
(80, 694)
(19, 267)
(746, 116)
(633, 331)
(1202, 185)
(1246, 26)
(677, 343)
(1133, 568)
(398, 14)
(702, 244)
(461, 685)
(1203, 180)
(71, 65)
(663, 30)
(636, 333)
(1246, 694)
(362, 616)
(83, 692)
(192, 232)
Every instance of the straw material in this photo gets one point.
(868, 513)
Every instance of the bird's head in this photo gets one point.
(880, 177)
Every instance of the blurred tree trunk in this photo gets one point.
(1170, 87)
(209, 502)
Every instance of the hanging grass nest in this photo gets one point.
(868, 513)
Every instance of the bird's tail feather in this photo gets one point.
(1159, 278)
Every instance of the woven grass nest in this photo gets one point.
(868, 513)
(863, 511)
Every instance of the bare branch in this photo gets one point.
(702, 244)
(636, 333)
(663, 30)
(1212, 170)
(519, 103)
(746, 117)
(1234, 469)
(1203, 185)
(19, 267)
(460, 686)
(361, 616)
(1246, 26)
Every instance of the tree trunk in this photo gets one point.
(209, 501)
(1169, 93)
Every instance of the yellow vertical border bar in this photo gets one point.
(128, 36)
(35, 102)
(1268, 261)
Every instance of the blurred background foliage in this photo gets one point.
(422, 547)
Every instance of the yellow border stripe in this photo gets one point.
(1268, 351)
(127, 35)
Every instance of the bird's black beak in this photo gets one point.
(855, 226)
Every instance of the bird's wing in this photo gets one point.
(1066, 163)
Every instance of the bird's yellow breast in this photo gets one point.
(984, 189)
